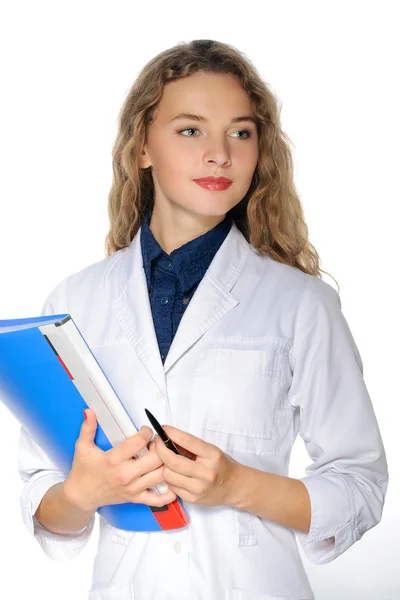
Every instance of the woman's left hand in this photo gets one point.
(203, 474)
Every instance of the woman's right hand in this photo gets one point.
(99, 478)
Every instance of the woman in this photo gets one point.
(209, 309)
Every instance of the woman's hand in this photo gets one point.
(99, 478)
(210, 477)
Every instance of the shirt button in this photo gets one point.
(169, 264)
(177, 546)
(185, 300)
(164, 300)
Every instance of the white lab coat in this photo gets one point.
(262, 353)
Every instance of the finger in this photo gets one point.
(182, 493)
(149, 464)
(140, 481)
(176, 480)
(190, 442)
(88, 428)
(145, 485)
(191, 485)
(130, 447)
(152, 447)
(154, 499)
(177, 463)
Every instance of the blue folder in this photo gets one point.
(37, 390)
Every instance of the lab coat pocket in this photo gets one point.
(250, 439)
(247, 532)
(239, 387)
(227, 441)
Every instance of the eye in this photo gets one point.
(246, 131)
(188, 129)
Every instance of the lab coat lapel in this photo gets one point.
(133, 312)
(210, 303)
(212, 299)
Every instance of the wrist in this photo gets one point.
(72, 496)
(238, 484)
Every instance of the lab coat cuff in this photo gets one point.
(59, 547)
(332, 527)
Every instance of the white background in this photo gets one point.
(66, 69)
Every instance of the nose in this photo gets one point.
(220, 161)
(219, 153)
(217, 148)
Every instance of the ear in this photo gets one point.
(144, 161)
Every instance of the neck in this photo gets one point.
(172, 228)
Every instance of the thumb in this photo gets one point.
(89, 427)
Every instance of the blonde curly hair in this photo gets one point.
(270, 215)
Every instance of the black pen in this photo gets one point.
(169, 443)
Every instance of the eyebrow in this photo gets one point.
(192, 117)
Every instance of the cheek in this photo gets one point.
(173, 167)
(246, 159)
(167, 155)
(187, 160)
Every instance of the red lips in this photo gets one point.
(214, 180)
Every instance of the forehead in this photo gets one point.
(205, 94)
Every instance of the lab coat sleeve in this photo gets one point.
(39, 473)
(348, 479)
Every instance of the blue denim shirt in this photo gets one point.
(172, 279)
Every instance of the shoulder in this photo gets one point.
(85, 283)
(290, 281)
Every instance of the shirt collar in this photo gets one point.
(190, 261)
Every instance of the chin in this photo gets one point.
(215, 210)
